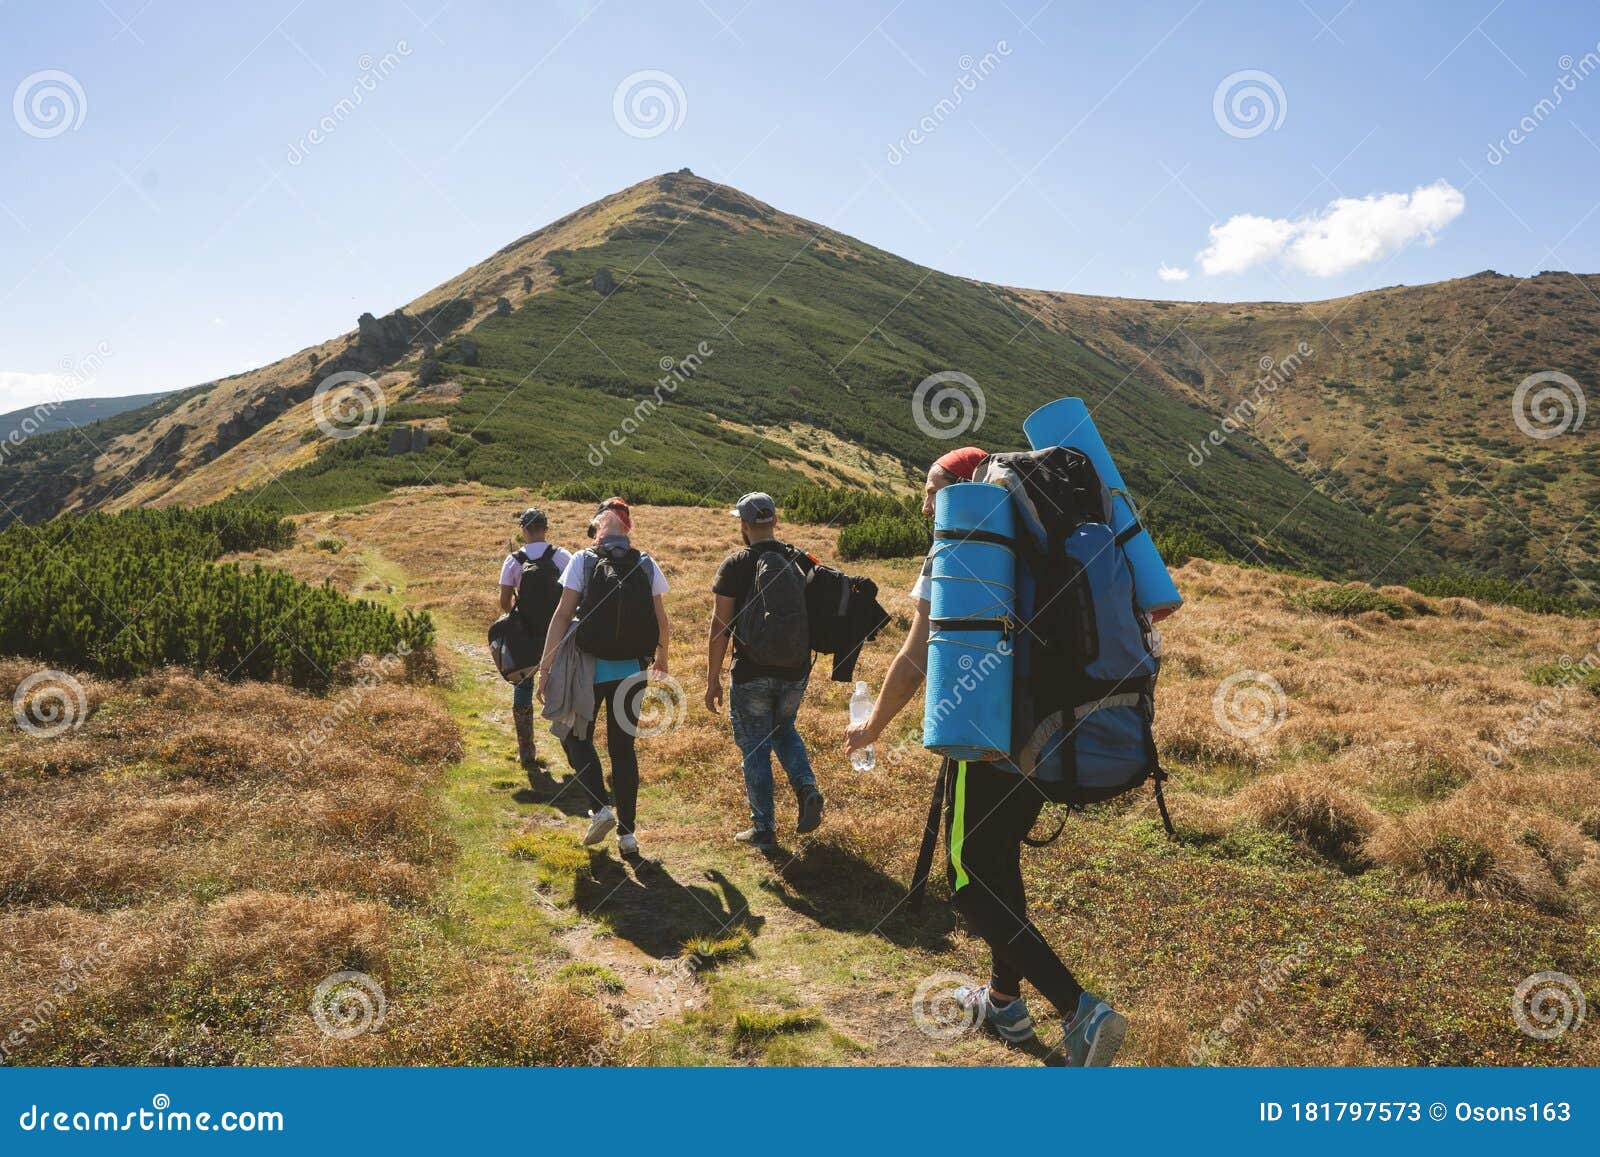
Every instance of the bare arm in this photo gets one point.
(508, 599)
(659, 665)
(900, 683)
(717, 649)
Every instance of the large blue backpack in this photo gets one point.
(1085, 660)
(1084, 656)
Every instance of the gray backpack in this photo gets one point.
(771, 625)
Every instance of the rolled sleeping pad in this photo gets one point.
(967, 709)
(1067, 423)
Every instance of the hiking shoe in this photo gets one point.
(1094, 1034)
(758, 838)
(628, 844)
(810, 812)
(1011, 1022)
(600, 825)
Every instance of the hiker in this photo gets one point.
(530, 588)
(761, 605)
(989, 812)
(614, 593)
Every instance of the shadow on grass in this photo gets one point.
(645, 905)
(842, 892)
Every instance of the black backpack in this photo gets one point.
(538, 591)
(617, 614)
(770, 625)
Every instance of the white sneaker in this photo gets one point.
(628, 845)
(600, 825)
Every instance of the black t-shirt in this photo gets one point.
(734, 578)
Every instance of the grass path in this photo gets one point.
(713, 947)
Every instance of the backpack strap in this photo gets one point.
(930, 839)
(521, 556)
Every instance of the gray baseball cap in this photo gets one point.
(756, 507)
(533, 516)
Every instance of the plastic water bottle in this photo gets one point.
(860, 712)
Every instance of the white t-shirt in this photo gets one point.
(922, 589)
(576, 576)
(511, 569)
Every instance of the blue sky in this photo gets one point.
(167, 221)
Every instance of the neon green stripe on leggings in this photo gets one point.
(958, 825)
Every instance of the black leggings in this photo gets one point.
(990, 812)
(622, 724)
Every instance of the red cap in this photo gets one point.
(620, 507)
(963, 463)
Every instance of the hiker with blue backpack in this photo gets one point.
(1040, 669)
(761, 595)
(609, 635)
(530, 588)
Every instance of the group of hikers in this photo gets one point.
(602, 619)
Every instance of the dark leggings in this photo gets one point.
(622, 723)
(990, 812)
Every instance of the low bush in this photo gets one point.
(885, 536)
(1347, 601)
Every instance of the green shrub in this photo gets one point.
(885, 536)
(123, 594)
(1179, 546)
(1487, 589)
(1346, 601)
(841, 506)
(640, 491)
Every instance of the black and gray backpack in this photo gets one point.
(771, 625)
(617, 614)
(538, 591)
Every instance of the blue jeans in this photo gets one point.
(762, 712)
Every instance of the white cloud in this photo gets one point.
(1170, 273)
(1347, 233)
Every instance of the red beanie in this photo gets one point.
(963, 463)
(618, 507)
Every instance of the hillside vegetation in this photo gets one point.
(682, 335)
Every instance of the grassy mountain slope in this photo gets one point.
(682, 333)
(1404, 405)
